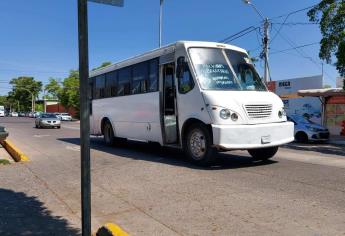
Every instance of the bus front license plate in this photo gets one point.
(265, 139)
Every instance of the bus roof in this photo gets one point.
(161, 51)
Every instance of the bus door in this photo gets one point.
(169, 105)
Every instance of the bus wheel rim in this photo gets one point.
(197, 144)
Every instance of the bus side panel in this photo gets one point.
(133, 116)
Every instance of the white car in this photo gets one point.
(64, 117)
(14, 114)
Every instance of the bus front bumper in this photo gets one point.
(231, 137)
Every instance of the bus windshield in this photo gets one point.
(225, 69)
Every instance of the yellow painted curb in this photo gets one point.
(16, 154)
(111, 229)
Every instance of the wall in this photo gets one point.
(335, 113)
(309, 107)
(61, 109)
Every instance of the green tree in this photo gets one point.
(330, 14)
(327, 86)
(69, 93)
(53, 88)
(23, 88)
(104, 64)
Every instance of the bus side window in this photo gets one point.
(100, 86)
(111, 84)
(124, 82)
(139, 78)
(185, 82)
(153, 75)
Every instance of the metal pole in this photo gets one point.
(160, 22)
(265, 51)
(32, 102)
(84, 118)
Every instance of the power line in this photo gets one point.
(293, 12)
(294, 23)
(301, 52)
(239, 34)
(286, 17)
(293, 48)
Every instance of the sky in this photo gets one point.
(39, 37)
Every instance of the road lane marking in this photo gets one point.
(70, 127)
(73, 148)
(41, 135)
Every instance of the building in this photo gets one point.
(333, 107)
(287, 90)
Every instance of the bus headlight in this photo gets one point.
(281, 113)
(224, 114)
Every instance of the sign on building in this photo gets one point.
(309, 107)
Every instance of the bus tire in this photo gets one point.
(198, 145)
(263, 153)
(108, 134)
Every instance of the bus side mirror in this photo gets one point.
(180, 67)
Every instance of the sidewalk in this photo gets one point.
(337, 139)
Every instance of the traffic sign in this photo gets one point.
(118, 3)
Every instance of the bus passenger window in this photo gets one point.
(153, 76)
(124, 82)
(185, 83)
(110, 84)
(100, 86)
(140, 74)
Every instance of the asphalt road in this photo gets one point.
(153, 191)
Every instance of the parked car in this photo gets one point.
(65, 117)
(46, 120)
(3, 133)
(14, 114)
(306, 130)
(21, 114)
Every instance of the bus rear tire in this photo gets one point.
(198, 145)
(108, 134)
(263, 153)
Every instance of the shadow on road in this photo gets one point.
(318, 147)
(24, 215)
(169, 156)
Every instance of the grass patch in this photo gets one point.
(4, 162)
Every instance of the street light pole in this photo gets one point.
(265, 40)
(160, 22)
(265, 50)
(84, 118)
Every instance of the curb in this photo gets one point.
(111, 229)
(15, 153)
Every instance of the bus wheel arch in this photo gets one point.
(188, 123)
(107, 131)
(198, 135)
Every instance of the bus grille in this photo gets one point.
(257, 111)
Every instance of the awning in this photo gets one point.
(327, 92)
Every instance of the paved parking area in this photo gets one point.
(154, 191)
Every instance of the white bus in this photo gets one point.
(2, 111)
(197, 96)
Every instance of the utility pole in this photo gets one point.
(265, 42)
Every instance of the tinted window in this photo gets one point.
(124, 79)
(139, 78)
(185, 84)
(153, 75)
(111, 84)
(100, 86)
